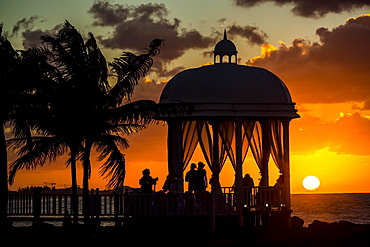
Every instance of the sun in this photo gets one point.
(311, 183)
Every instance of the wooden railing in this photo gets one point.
(126, 205)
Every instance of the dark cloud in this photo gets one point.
(108, 14)
(148, 89)
(311, 8)
(32, 37)
(251, 33)
(24, 23)
(135, 26)
(162, 69)
(334, 70)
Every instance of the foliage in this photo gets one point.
(74, 108)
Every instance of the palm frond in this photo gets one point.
(113, 169)
(40, 151)
(129, 69)
(140, 112)
(121, 129)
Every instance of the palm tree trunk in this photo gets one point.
(3, 181)
(86, 176)
(74, 186)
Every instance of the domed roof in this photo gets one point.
(230, 90)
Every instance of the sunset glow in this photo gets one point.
(321, 55)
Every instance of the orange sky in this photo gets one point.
(328, 77)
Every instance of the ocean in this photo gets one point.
(353, 207)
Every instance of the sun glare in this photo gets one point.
(311, 183)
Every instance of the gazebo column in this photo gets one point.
(215, 149)
(239, 169)
(286, 171)
(266, 150)
(215, 167)
(175, 152)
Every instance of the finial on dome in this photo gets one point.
(223, 48)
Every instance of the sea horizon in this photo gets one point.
(332, 207)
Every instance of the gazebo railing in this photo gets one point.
(126, 205)
(260, 197)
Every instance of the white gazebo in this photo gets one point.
(236, 108)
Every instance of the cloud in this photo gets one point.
(148, 89)
(252, 34)
(24, 23)
(136, 26)
(32, 37)
(311, 8)
(348, 135)
(330, 71)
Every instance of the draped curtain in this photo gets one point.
(224, 135)
(200, 131)
(229, 140)
(277, 150)
(226, 132)
(190, 140)
(248, 127)
(256, 144)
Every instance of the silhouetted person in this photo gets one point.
(248, 184)
(171, 184)
(201, 183)
(167, 184)
(215, 184)
(191, 178)
(147, 182)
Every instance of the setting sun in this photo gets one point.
(311, 183)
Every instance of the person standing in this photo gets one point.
(201, 178)
(146, 182)
(191, 178)
(248, 185)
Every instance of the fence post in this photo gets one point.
(116, 209)
(36, 206)
(97, 207)
(126, 209)
(213, 213)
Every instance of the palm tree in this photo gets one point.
(17, 73)
(83, 111)
(8, 60)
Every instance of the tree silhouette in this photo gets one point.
(8, 60)
(81, 110)
(19, 77)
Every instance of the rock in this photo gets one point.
(342, 226)
(296, 222)
(319, 227)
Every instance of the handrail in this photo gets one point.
(114, 205)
